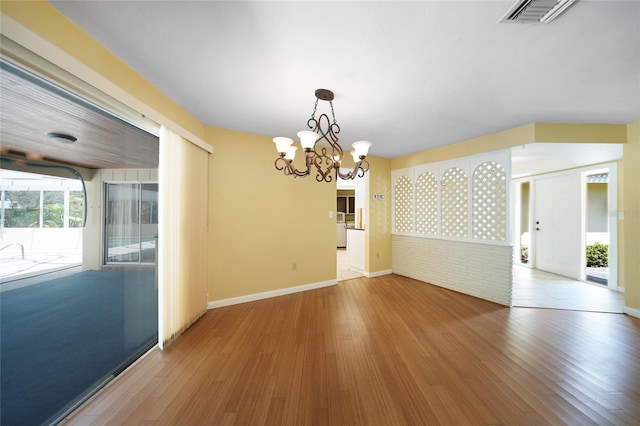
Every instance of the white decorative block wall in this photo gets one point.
(455, 207)
(427, 204)
(489, 202)
(480, 270)
(403, 205)
(451, 225)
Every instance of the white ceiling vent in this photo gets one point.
(535, 11)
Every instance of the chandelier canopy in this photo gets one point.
(321, 148)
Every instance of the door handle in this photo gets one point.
(538, 229)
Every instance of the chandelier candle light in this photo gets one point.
(321, 148)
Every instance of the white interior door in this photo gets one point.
(557, 224)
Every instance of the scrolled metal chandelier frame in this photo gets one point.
(321, 148)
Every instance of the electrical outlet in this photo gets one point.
(294, 267)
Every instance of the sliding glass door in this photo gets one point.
(131, 222)
(78, 288)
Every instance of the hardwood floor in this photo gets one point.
(384, 351)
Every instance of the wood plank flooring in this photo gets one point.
(384, 351)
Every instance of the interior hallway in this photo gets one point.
(538, 289)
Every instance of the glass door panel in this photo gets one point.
(122, 223)
(149, 222)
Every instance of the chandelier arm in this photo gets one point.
(278, 161)
(359, 170)
(308, 158)
(287, 167)
(364, 169)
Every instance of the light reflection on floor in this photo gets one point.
(539, 289)
(14, 266)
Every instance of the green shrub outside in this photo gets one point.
(524, 254)
(598, 255)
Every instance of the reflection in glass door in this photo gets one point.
(131, 222)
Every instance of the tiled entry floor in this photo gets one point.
(538, 289)
(343, 271)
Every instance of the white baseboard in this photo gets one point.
(268, 294)
(630, 311)
(378, 273)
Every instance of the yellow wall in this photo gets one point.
(580, 133)
(262, 221)
(501, 140)
(378, 216)
(529, 133)
(631, 224)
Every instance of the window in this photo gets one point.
(21, 209)
(52, 209)
(30, 200)
(76, 209)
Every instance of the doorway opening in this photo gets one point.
(565, 253)
(523, 243)
(349, 216)
(597, 227)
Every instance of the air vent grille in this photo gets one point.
(535, 11)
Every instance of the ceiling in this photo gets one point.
(539, 158)
(32, 107)
(408, 76)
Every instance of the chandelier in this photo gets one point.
(321, 149)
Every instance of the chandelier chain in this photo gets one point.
(315, 107)
(333, 114)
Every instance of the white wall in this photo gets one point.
(469, 252)
(480, 270)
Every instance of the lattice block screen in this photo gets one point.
(427, 204)
(454, 198)
(489, 203)
(403, 196)
(463, 198)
